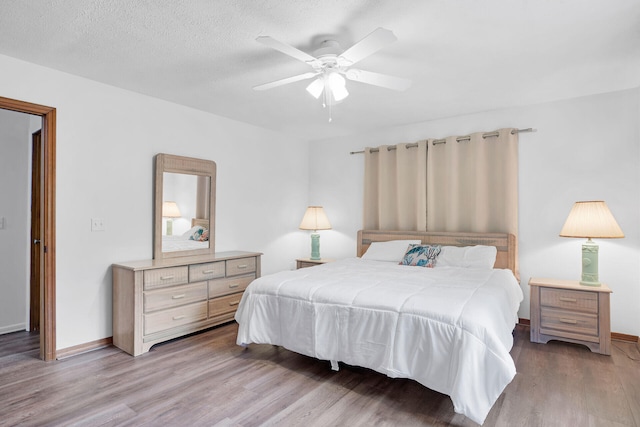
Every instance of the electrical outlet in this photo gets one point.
(97, 224)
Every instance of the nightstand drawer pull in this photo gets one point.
(242, 266)
(232, 303)
(208, 271)
(182, 316)
(166, 277)
(565, 299)
(233, 285)
(178, 296)
(571, 321)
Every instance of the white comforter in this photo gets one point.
(181, 243)
(450, 329)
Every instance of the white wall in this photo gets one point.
(14, 208)
(585, 149)
(106, 140)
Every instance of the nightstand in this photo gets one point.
(567, 311)
(308, 262)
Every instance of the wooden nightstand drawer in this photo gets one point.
(210, 270)
(163, 277)
(571, 300)
(167, 319)
(174, 296)
(308, 262)
(241, 266)
(555, 322)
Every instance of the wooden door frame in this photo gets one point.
(48, 240)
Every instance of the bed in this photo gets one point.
(189, 240)
(448, 328)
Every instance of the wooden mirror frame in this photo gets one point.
(190, 166)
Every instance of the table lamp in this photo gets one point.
(591, 220)
(315, 219)
(170, 210)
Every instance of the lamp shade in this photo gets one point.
(315, 219)
(591, 220)
(316, 87)
(170, 210)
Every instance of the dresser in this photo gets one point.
(567, 311)
(157, 300)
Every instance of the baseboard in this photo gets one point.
(13, 328)
(105, 342)
(614, 335)
(624, 337)
(83, 348)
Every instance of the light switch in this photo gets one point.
(97, 224)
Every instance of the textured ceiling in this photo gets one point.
(463, 56)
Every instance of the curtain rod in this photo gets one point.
(443, 140)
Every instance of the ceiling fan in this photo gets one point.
(331, 65)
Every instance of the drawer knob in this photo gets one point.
(565, 299)
(178, 296)
(571, 321)
(166, 277)
(242, 266)
(234, 285)
(178, 317)
(207, 272)
(232, 303)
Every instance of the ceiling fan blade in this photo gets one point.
(288, 50)
(377, 79)
(288, 80)
(373, 42)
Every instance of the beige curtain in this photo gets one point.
(395, 192)
(472, 185)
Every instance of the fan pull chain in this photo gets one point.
(327, 100)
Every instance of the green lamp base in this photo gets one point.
(590, 264)
(315, 246)
(169, 227)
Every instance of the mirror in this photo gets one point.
(184, 206)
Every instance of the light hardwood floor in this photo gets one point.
(206, 380)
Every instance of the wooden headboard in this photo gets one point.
(504, 242)
(200, 221)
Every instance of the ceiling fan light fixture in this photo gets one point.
(316, 87)
(337, 84)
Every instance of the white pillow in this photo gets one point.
(392, 250)
(191, 231)
(467, 256)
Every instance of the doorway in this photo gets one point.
(35, 276)
(46, 247)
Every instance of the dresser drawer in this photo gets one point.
(570, 300)
(175, 296)
(170, 318)
(224, 305)
(230, 285)
(210, 270)
(568, 323)
(163, 277)
(241, 266)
